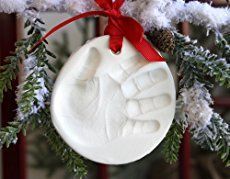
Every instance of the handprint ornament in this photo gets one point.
(112, 108)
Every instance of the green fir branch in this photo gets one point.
(9, 69)
(72, 160)
(223, 44)
(29, 113)
(172, 143)
(221, 141)
(216, 137)
(35, 88)
(195, 64)
(8, 72)
(8, 134)
(173, 138)
(74, 163)
(27, 100)
(201, 61)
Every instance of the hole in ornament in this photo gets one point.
(115, 53)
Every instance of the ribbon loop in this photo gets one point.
(119, 26)
(105, 4)
(109, 4)
(118, 3)
(116, 36)
(112, 28)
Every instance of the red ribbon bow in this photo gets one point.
(119, 26)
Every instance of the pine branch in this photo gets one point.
(70, 158)
(194, 65)
(28, 97)
(33, 101)
(216, 137)
(36, 86)
(172, 143)
(221, 141)
(8, 135)
(9, 70)
(223, 44)
(201, 62)
(35, 89)
(173, 138)
(207, 128)
(8, 74)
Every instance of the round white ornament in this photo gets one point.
(112, 108)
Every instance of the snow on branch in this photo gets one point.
(166, 13)
(10, 6)
(150, 13)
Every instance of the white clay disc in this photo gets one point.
(112, 108)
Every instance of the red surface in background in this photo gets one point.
(102, 171)
(184, 157)
(13, 158)
(184, 151)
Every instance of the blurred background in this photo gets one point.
(31, 157)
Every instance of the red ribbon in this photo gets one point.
(119, 26)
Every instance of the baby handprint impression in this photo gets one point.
(102, 99)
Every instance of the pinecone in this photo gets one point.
(163, 40)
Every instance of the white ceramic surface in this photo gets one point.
(112, 108)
